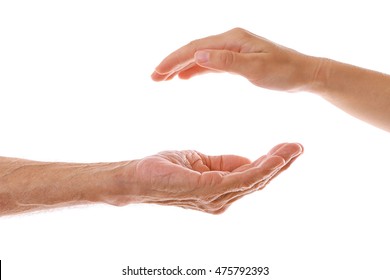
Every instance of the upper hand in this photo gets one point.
(238, 51)
(193, 180)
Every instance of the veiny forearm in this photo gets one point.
(30, 185)
(360, 92)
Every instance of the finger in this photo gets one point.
(226, 162)
(239, 181)
(158, 77)
(177, 70)
(287, 151)
(290, 152)
(220, 204)
(284, 150)
(163, 77)
(285, 167)
(170, 76)
(245, 64)
(193, 71)
(254, 187)
(238, 164)
(263, 168)
(251, 165)
(275, 148)
(186, 53)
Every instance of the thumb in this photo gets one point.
(223, 60)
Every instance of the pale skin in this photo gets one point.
(186, 179)
(360, 92)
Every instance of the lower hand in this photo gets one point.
(196, 181)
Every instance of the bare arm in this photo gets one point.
(186, 179)
(29, 185)
(362, 93)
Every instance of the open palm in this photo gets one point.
(193, 180)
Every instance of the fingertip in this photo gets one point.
(302, 149)
(184, 76)
(163, 68)
(157, 77)
(296, 149)
(290, 149)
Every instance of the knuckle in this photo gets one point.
(218, 211)
(227, 59)
(241, 33)
(238, 30)
(193, 44)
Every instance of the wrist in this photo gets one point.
(320, 75)
(116, 184)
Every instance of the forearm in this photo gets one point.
(360, 92)
(29, 185)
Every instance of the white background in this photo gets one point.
(75, 86)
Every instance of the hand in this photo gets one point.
(193, 180)
(238, 51)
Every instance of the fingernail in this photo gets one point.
(202, 57)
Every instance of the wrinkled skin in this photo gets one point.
(193, 180)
